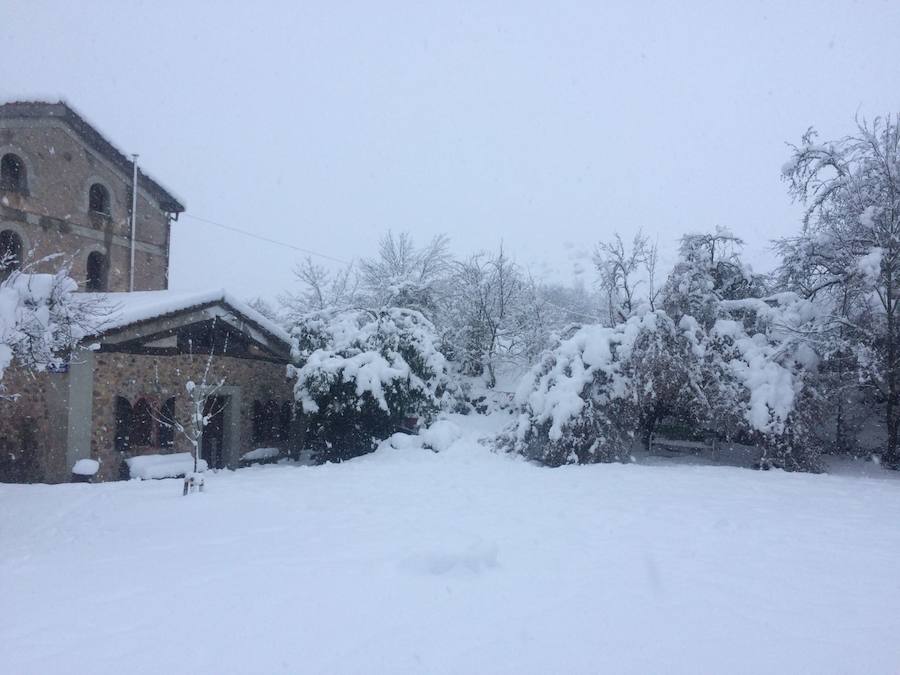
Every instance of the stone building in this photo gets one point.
(64, 189)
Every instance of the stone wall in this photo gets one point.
(33, 426)
(53, 216)
(157, 378)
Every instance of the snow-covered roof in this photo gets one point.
(66, 113)
(131, 308)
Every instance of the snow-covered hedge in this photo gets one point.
(359, 373)
(584, 401)
(601, 387)
(764, 351)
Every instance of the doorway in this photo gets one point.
(212, 444)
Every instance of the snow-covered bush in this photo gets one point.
(709, 270)
(746, 378)
(41, 319)
(763, 363)
(665, 377)
(602, 387)
(360, 373)
(574, 406)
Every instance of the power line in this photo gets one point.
(338, 260)
(266, 239)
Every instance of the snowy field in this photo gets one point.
(406, 561)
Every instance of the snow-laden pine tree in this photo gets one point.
(665, 377)
(762, 367)
(848, 256)
(757, 356)
(360, 373)
(572, 407)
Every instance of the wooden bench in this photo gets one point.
(672, 446)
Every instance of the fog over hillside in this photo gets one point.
(547, 127)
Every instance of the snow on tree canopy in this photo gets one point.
(360, 373)
(603, 384)
(554, 389)
(372, 349)
(40, 318)
(578, 404)
(764, 352)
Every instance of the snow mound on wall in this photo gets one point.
(441, 435)
(259, 454)
(176, 465)
(86, 467)
(454, 432)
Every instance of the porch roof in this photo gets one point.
(128, 309)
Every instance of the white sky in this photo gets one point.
(546, 125)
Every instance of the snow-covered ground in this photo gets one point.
(464, 561)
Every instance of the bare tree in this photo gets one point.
(265, 308)
(321, 289)
(201, 388)
(403, 275)
(623, 271)
(850, 249)
(489, 315)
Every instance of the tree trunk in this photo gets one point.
(891, 459)
(649, 428)
(840, 442)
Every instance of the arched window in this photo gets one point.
(10, 252)
(123, 424)
(141, 424)
(12, 173)
(98, 199)
(166, 431)
(96, 272)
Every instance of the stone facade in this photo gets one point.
(52, 214)
(32, 427)
(49, 421)
(157, 378)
